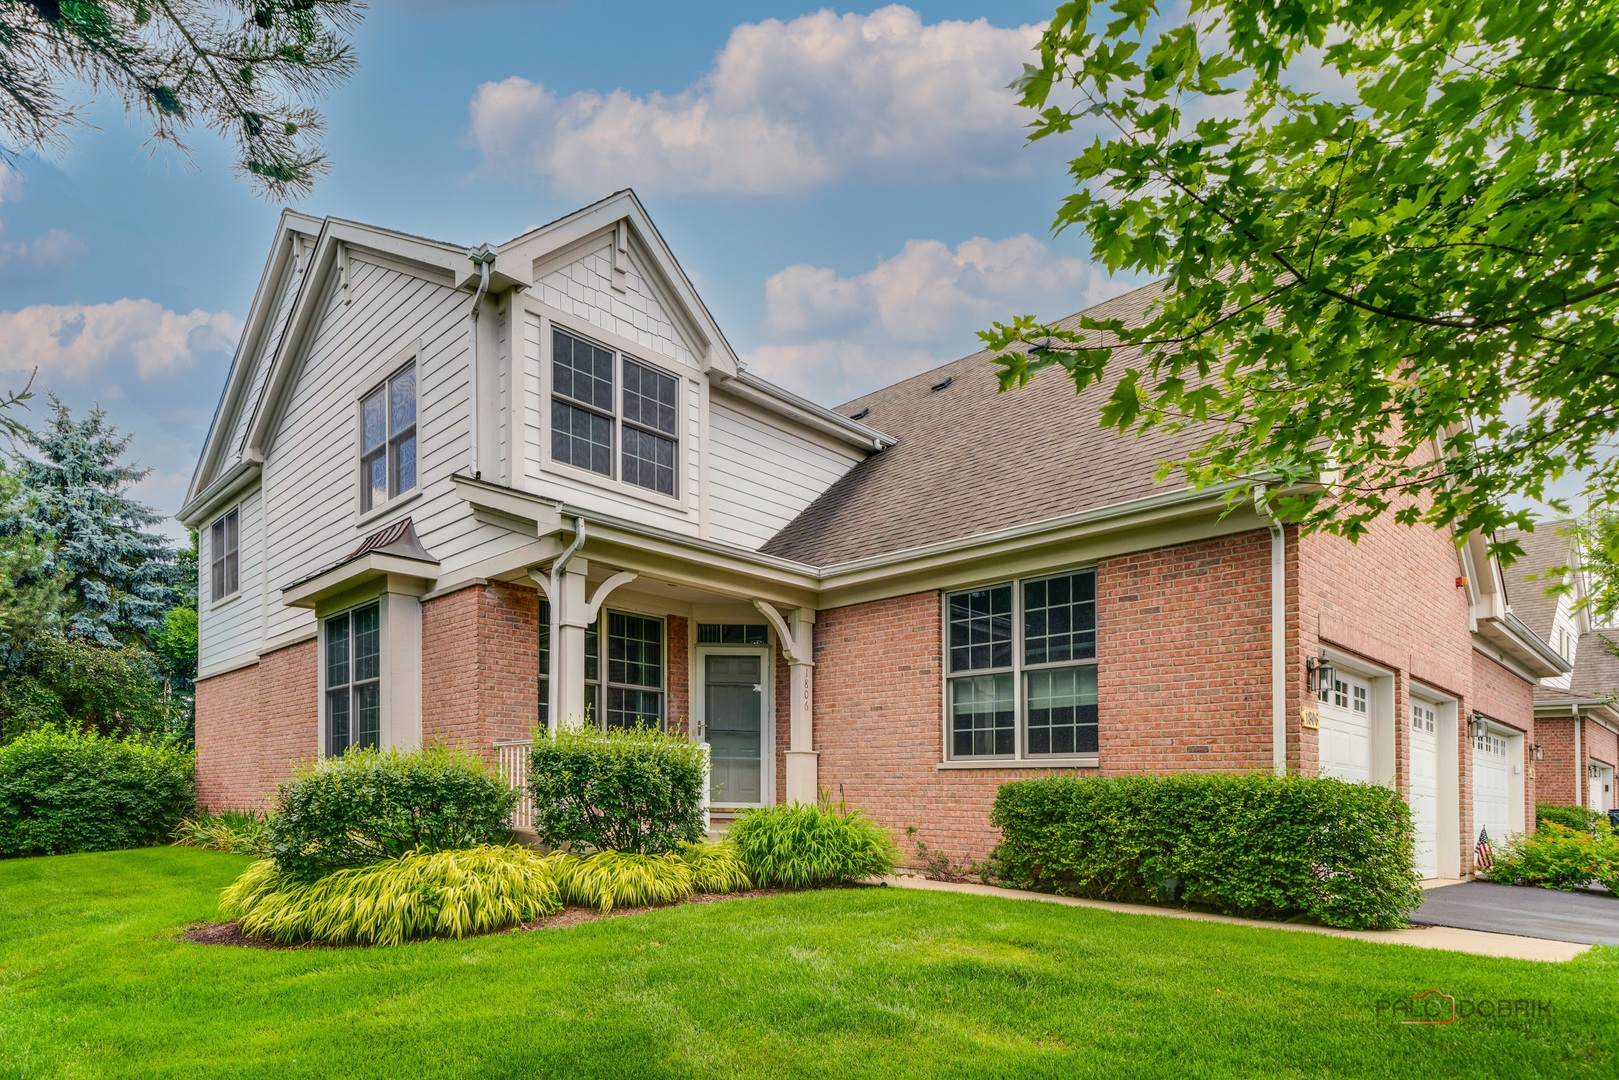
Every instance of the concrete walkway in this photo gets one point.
(1477, 942)
(1515, 909)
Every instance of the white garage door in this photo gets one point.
(1346, 729)
(1490, 771)
(1425, 786)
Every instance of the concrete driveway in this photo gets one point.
(1513, 909)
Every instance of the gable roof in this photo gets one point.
(968, 460)
(1596, 670)
(1548, 546)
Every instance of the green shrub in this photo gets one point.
(616, 790)
(608, 879)
(1259, 845)
(62, 792)
(235, 832)
(1574, 817)
(1556, 857)
(370, 805)
(715, 867)
(798, 846)
(74, 684)
(449, 893)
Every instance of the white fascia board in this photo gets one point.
(416, 575)
(516, 258)
(240, 476)
(260, 319)
(766, 395)
(1513, 639)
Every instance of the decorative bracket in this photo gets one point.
(593, 606)
(789, 644)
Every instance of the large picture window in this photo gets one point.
(353, 679)
(601, 400)
(1022, 668)
(388, 439)
(224, 539)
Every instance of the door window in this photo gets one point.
(733, 719)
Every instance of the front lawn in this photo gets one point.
(867, 982)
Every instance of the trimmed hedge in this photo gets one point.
(639, 790)
(1573, 817)
(62, 792)
(1556, 857)
(370, 805)
(1263, 846)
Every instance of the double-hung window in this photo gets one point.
(353, 679)
(1022, 668)
(223, 540)
(633, 694)
(388, 439)
(613, 416)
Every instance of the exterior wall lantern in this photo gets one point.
(1319, 673)
(1538, 752)
(1596, 771)
(1475, 725)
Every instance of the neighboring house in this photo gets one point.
(449, 496)
(1575, 714)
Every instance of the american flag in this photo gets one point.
(1481, 852)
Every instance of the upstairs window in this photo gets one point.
(613, 416)
(388, 440)
(353, 679)
(223, 540)
(1022, 660)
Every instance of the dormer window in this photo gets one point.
(614, 416)
(388, 439)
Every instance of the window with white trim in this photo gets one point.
(1022, 668)
(388, 439)
(634, 693)
(602, 400)
(353, 679)
(224, 560)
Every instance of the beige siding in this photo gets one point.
(231, 627)
(761, 476)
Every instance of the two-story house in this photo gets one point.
(455, 496)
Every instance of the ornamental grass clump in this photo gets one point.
(799, 846)
(449, 893)
(610, 879)
(371, 805)
(715, 867)
(615, 790)
(235, 832)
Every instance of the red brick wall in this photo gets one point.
(480, 666)
(254, 725)
(677, 678)
(1554, 774)
(1600, 744)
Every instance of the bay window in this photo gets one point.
(1022, 668)
(353, 679)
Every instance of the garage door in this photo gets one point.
(1602, 789)
(1490, 771)
(1346, 729)
(1425, 786)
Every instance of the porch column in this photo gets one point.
(571, 615)
(803, 760)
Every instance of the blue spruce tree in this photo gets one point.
(120, 580)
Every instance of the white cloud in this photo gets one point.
(43, 256)
(787, 105)
(838, 337)
(72, 341)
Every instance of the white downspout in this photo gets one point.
(1579, 758)
(1278, 636)
(554, 594)
(483, 256)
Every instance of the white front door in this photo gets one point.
(1425, 786)
(734, 726)
(1491, 804)
(1602, 790)
(1346, 729)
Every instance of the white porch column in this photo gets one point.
(572, 614)
(803, 760)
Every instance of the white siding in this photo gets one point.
(231, 627)
(762, 476)
(1565, 635)
(311, 477)
(584, 289)
(267, 350)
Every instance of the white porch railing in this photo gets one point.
(513, 763)
(513, 754)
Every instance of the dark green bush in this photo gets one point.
(62, 792)
(1555, 857)
(800, 846)
(370, 805)
(1260, 845)
(1573, 817)
(617, 790)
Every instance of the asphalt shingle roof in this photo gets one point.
(1546, 547)
(969, 460)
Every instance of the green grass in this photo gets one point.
(864, 982)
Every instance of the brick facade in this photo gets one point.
(1554, 774)
(254, 725)
(480, 666)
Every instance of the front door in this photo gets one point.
(733, 720)
(1602, 789)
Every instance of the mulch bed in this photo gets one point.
(229, 933)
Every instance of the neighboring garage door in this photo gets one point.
(1602, 789)
(1425, 786)
(1346, 729)
(1490, 770)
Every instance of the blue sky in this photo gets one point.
(847, 187)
